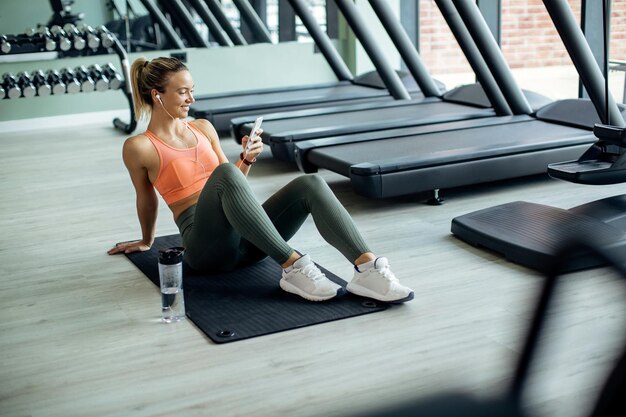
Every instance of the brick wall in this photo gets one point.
(528, 37)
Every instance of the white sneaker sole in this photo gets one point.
(366, 292)
(290, 288)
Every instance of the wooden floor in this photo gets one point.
(80, 333)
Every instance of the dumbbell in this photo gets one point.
(89, 33)
(50, 43)
(106, 37)
(61, 38)
(25, 83)
(9, 42)
(87, 84)
(5, 45)
(115, 80)
(30, 32)
(102, 81)
(68, 77)
(53, 77)
(43, 35)
(37, 41)
(75, 36)
(29, 37)
(40, 83)
(10, 85)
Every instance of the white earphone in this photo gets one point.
(158, 96)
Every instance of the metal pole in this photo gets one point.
(209, 19)
(218, 12)
(185, 23)
(160, 19)
(409, 19)
(286, 22)
(322, 40)
(387, 73)
(254, 22)
(488, 47)
(591, 23)
(492, 12)
(584, 61)
(332, 20)
(404, 45)
(475, 59)
(565, 255)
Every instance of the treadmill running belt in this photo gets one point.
(288, 97)
(446, 159)
(281, 134)
(447, 147)
(379, 118)
(248, 302)
(220, 109)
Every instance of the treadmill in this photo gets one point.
(281, 130)
(220, 108)
(405, 161)
(530, 234)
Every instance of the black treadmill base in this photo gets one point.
(378, 181)
(529, 234)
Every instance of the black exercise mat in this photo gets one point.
(248, 302)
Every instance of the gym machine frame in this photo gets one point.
(512, 403)
(527, 233)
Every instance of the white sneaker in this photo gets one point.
(306, 280)
(379, 283)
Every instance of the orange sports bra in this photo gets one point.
(183, 172)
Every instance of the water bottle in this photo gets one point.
(171, 279)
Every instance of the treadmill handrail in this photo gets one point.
(407, 51)
(185, 23)
(494, 58)
(322, 41)
(474, 57)
(211, 22)
(582, 57)
(215, 8)
(160, 19)
(387, 74)
(564, 255)
(251, 17)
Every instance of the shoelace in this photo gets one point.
(386, 272)
(313, 272)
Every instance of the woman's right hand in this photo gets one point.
(255, 148)
(129, 247)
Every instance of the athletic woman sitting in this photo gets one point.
(221, 223)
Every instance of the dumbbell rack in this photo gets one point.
(86, 42)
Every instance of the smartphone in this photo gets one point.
(254, 131)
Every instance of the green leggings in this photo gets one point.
(228, 227)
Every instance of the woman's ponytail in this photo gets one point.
(148, 75)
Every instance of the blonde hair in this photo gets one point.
(147, 75)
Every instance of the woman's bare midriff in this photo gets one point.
(180, 206)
